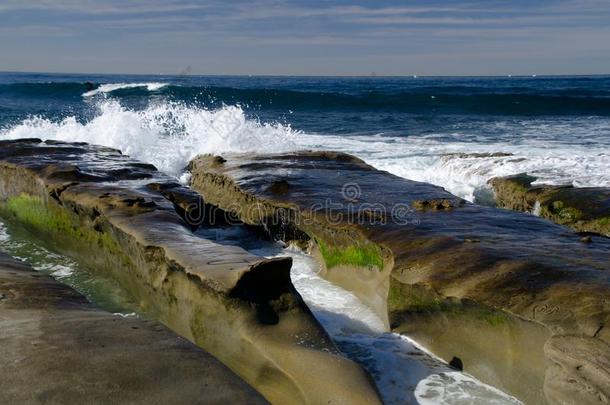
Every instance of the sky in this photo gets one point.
(297, 37)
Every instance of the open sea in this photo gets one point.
(421, 128)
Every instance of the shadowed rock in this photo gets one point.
(124, 218)
(497, 284)
(585, 209)
(56, 348)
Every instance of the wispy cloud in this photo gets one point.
(292, 30)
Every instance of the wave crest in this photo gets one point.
(167, 135)
(110, 87)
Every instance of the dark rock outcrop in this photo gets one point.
(500, 283)
(122, 217)
(585, 209)
(56, 348)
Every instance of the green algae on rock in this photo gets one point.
(117, 216)
(514, 278)
(585, 209)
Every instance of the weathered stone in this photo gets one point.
(56, 348)
(241, 308)
(510, 278)
(585, 209)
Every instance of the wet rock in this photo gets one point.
(279, 187)
(524, 279)
(585, 209)
(456, 363)
(437, 205)
(79, 354)
(218, 296)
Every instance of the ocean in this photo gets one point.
(456, 132)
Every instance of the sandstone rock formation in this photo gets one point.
(585, 209)
(56, 348)
(526, 301)
(122, 217)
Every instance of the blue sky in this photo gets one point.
(321, 37)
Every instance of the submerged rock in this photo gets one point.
(124, 218)
(497, 282)
(585, 209)
(55, 347)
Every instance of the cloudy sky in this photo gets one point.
(318, 37)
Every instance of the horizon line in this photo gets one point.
(371, 76)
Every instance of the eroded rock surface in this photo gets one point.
(585, 209)
(56, 348)
(120, 216)
(514, 278)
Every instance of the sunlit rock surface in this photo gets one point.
(502, 283)
(124, 218)
(55, 347)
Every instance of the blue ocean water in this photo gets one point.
(557, 128)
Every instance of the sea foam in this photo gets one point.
(110, 87)
(169, 134)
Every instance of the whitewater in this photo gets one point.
(169, 134)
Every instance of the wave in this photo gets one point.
(425, 100)
(170, 134)
(110, 87)
(167, 135)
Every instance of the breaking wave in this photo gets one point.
(110, 87)
(167, 135)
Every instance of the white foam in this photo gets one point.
(167, 135)
(429, 160)
(110, 87)
(458, 389)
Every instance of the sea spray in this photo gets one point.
(168, 122)
(165, 134)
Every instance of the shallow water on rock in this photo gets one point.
(103, 291)
(404, 371)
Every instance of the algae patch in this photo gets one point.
(35, 213)
(419, 301)
(361, 255)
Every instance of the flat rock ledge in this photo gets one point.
(526, 300)
(585, 209)
(56, 348)
(124, 218)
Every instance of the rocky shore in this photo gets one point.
(125, 219)
(523, 302)
(57, 348)
(519, 302)
(585, 209)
